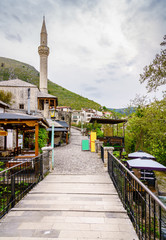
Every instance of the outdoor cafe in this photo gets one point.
(24, 124)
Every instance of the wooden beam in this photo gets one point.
(27, 122)
(36, 139)
(16, 137)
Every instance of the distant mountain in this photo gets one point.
(11, 69)
(126, 111)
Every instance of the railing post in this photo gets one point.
(160, 223)
(100, 143)
(125, 189)
(41, 159)
(49, 151)
(105, 155)
(12, 190)
(97, 146)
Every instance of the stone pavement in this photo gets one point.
(77, 201)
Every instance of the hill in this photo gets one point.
(126, 111)
(11, 69)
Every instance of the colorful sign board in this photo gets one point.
(92, 141)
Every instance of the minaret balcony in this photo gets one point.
(43, 50)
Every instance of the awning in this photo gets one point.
(3, 133)
(140, 154)
(57, 129)
(107, 120)
(57, 123)
(146, 164)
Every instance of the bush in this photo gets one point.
(43, 136)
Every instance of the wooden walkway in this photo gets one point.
(69, 206)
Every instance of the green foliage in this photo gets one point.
(11, 69)
(146, 130)
(123, 111)
(155, 73)
(6, 97)
(116, 154)
(43, 136)
(117, 115)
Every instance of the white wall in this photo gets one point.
(1, 110)
(10, 139)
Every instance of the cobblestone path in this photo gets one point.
(76, 201)
(71, 160)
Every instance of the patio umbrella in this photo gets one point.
(146, 164)
(140, 154)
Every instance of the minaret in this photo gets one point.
(43, 51)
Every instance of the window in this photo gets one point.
(52, 103)
(41, 104)
(21, 106)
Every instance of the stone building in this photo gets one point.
(84, 115)
(27, 97)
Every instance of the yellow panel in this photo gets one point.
(93, 138)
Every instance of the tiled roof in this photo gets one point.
(45, 95)
(62, 123)
(16, 83)
(14, 116)
(57, 123)
(4, 104)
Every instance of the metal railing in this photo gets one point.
(102, 153)
(146, 211)
(18, 176)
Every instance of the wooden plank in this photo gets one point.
(36, 139)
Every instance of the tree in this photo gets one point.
(6, 97)
(155, 73)
(146, 130)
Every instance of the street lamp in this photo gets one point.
(52, 112)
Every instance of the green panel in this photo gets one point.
(85, 145)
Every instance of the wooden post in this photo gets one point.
(67, 138)
(36, 139)
(5, 142)
(17, 138)
(123, 129)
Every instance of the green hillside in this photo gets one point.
(126, 111)
(11, 69)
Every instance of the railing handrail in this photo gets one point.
(139, 182)
(17, 165)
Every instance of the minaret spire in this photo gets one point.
(43, 51)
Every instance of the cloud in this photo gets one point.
(100, 81)
(14, 37)
(16, 18)
(97, 48)
(89, 88)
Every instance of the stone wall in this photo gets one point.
(20, 96)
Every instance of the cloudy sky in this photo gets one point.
(98, 48)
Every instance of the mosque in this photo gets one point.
(27, 98)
